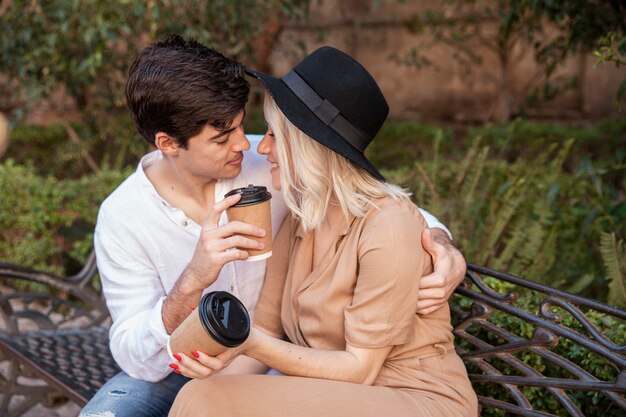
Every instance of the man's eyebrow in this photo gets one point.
(222, 133)
(227, 131)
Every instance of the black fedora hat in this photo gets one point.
(334, 100)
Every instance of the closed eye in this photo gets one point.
(223, 142)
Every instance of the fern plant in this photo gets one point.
(531, 217)
(614, 257)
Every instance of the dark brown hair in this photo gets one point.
(178, 86)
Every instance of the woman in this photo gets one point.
(341, 285)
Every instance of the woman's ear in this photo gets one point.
(166, 144)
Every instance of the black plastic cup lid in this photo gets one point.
(225, 318)
(252, 194)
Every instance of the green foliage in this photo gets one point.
(539, 215)
(412, 140)
(88, 46)
(603, 141)
(612, 49)
(47, 223)
(51, 151)
(614, 258)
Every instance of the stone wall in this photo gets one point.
(377, 36)
(380, 36)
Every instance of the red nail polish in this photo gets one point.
(195, 353)
(177, 356)
(177, 371)
(193, 308)
(173, 366)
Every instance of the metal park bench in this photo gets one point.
(544, 353)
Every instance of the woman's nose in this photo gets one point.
(264, 145)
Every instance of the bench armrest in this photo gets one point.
(49, 301)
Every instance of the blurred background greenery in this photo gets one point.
(541, 199)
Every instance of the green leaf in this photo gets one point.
(578, 286)
(614, 257)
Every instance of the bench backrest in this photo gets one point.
(534, 350)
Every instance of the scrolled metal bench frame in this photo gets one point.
(53, 338)
(58, 334)
(549, 331)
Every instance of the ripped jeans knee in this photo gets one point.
(124, 396)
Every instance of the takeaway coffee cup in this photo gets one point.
(220, 321)
(254, 208)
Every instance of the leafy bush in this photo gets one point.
(533, 216)
(602, 143)
(47, 223)
(87, 47)
(73, 150)
(400, 144)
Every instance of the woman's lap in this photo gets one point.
(263, 395)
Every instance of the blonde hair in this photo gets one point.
(311, 174)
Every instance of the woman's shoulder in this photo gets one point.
(388, 214)
(391, 207)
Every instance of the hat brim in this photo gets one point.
(304, 119)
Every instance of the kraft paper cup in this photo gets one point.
(254, 208)
(220, 321)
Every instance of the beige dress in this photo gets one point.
(361, 288)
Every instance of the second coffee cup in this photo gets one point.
(254, 208)
(220, 321)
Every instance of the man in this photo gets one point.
(162, 238)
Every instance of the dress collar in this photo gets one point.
(338, 223)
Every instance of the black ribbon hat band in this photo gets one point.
(325, 111)
(334, 100)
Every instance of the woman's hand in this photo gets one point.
(203, 366)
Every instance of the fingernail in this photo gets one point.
(195, 353)
(177, 371)
(173, 366)
(193, 308)
(177, 356)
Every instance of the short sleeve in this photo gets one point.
(268, 309)
(391, 262)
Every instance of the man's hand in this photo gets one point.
(449, 271)
(217, 246)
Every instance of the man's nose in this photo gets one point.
(263, 147)
(242, 143)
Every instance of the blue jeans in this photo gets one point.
(123, 396)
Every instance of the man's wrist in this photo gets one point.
(191, 281)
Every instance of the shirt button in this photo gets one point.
(232, 288)
(184, 223)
